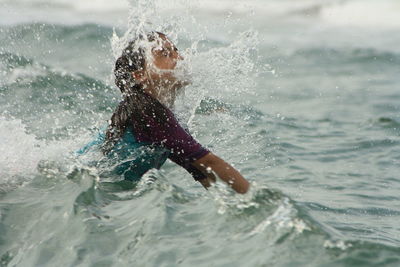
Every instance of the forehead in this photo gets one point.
(161, 41)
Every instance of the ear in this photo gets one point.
(139, 75)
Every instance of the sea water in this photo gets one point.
(301, 96)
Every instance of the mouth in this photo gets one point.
(183, 72)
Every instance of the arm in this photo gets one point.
(214, 167)
(188, 153)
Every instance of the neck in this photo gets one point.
(161, 94)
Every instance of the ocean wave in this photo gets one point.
(62, 12)
(347, 55)
(80, 210)
(51, 103)
(93, 6)
(26, 72)
(21, 153)
(56, 34)
(359, 13)
(371, 14)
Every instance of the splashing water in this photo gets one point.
(280, 89)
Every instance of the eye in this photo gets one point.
(164, 52)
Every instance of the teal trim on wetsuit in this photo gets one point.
(128, 158)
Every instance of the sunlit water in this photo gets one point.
(301, 96)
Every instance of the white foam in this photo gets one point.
(364, 13)
(340, 244)
(22, 74)
(369, 14)
(64, 12)
(108, 12)
(284, 217)
(21, 152)
(77, 5)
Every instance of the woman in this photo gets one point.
(143, 131)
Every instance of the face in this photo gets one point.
(159, 77)
(165, 54)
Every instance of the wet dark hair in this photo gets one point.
(136, 106)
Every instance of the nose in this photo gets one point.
(177, 55)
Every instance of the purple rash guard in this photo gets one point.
(184, 149)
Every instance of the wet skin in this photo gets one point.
(159, 81)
